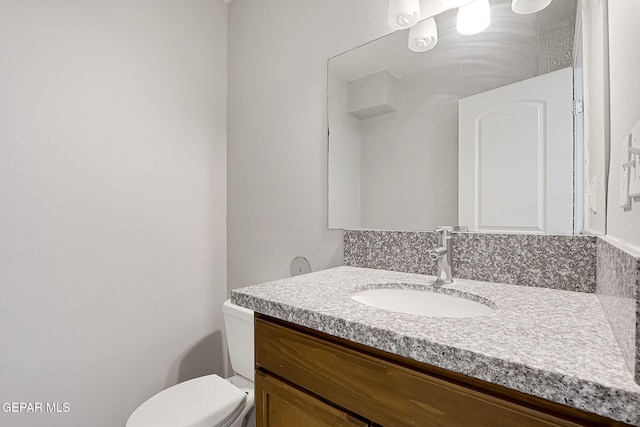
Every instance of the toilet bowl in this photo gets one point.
(210, 401)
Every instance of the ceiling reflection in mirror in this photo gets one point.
(397, 159)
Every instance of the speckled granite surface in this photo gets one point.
(616, 290)
(557, 262)
(405, 251)
(553, 344)
(618, 281)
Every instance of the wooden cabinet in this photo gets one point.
(303, 377)
(279, 404)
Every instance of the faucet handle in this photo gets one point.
(436, 253)
(443, 228)
(450, 228)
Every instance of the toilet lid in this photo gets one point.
(202, 402)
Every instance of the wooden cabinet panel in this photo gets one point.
(391, 394)
(281, 405)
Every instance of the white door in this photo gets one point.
(516, 157)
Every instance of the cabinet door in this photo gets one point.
(281, 405)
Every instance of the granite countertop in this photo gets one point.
(549, 343)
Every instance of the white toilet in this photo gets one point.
(210, 401)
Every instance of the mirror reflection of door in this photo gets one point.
(516, 157)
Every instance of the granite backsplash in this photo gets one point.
(558, 262)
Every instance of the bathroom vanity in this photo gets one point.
(306, 378)
(543, 357)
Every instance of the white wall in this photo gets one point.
(624, 63)
(277, 127)
(596, 114)
(344, 158)
(112, 202)
(410, 160)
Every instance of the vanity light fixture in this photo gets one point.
(474, 17)
(403, 13)
(423, 36)
(525, 7)
(454, 3)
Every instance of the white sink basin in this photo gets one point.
(421, 302)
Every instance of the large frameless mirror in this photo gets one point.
(477, 131)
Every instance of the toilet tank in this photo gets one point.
(238, 323)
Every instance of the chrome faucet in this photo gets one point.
(443, 254)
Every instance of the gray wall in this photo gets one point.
(277, 127)
(112, 203)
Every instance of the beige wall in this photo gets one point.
(277, 127)
(112, 202)
(624, 64)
